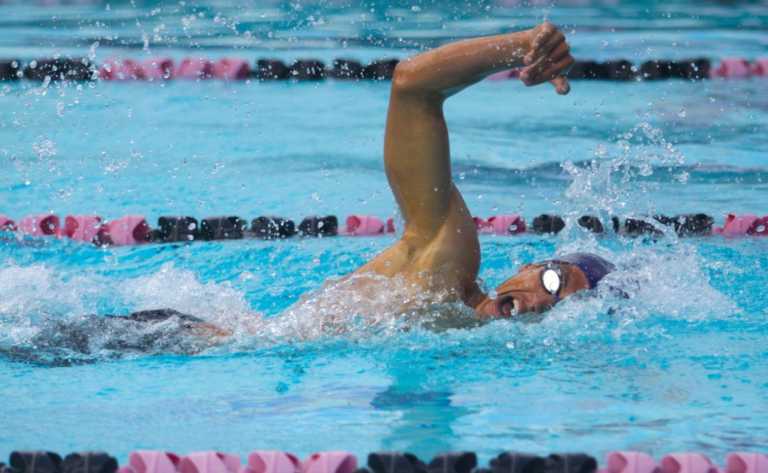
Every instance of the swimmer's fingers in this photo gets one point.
(562, 54)
(562, 86)
(532, 71)
(547, 70)
(546, 38)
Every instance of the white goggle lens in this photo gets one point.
(551, 281)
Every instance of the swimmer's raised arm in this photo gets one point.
(542, 51)
(439, 235)
(416, 151)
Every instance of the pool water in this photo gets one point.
(680, 365)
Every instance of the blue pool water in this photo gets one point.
(682, 364)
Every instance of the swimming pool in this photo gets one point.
(681, 365)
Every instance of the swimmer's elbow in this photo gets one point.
(403, 78)
(407, 79)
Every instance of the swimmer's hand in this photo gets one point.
(548, 58)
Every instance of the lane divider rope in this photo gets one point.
(275, 461)
(135, 230)
(270, 69)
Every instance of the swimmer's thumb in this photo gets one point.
(562, 86)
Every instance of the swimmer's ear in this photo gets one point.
(562, 86)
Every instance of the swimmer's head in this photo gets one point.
(538, 287)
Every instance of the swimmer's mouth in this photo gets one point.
(508, 306)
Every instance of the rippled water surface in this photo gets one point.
(681, 364)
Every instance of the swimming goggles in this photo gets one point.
(552, 279)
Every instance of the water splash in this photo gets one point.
(613, 182)
(182, 290)
(358, 306)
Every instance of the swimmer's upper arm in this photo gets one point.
(417, 160)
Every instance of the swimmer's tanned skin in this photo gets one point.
(439, 249)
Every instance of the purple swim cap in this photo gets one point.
(593, 266)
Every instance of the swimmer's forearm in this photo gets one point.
(450, 68)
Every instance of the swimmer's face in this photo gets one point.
(526, 292)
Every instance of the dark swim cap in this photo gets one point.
(593, 266)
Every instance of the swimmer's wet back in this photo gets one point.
(244, 117)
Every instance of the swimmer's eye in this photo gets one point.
(506, 306)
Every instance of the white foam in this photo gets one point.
(30, 294)
(182, 290)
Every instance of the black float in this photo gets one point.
(319, 226)
(222, 228)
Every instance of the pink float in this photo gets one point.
(732, 68)
(129, 230)
(6, 224)
(109, 70)
(363, 225)
(125, 69)
(687, 463)
(81, 227)
(271, 461)
(209, 462)
(157, 69)
(330, 462)
(231, 69)
(194, 68)
(148, 461)
(743, 462)
(759, 67)
(40, 225)
(507, 224)
(630, 462)
(735, 225)
(500, 224)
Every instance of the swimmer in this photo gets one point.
(439, 252)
